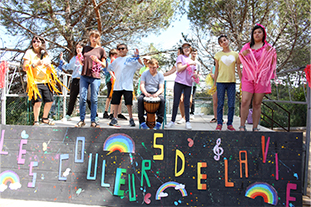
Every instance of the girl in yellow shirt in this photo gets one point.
(225, 79)
(37, 65)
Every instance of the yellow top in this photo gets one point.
(226, 66)
(39, 72)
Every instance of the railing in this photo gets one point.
(271, 119)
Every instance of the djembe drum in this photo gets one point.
(151, 106)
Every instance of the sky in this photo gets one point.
(165, 40)
(169, 37)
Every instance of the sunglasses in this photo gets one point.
(121, 48)
(186, 47)
(34, 41)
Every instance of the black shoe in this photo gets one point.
(132, 123)
(105, 115)
(113, 122)
(110, 116)
(121, 116)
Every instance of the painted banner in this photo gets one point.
(132, 167)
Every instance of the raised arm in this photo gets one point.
(170, 72)
(181, 67)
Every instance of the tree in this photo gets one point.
(66, 22)
(287, 23)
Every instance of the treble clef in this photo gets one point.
(218, 150)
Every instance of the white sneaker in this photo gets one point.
(170, 125)
(188, 125)
(66, 118)
(181, 121)
(96, 119)
(191, 116)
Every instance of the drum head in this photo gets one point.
(152, 100)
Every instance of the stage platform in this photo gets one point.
(200, 122)
(124, 166)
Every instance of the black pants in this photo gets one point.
(74, 92)
(178, 88)
(141, 109)
(193, 93)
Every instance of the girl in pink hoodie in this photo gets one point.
(259, 63)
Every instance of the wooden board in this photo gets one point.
(201, 168)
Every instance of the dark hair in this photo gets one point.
(182, 51)
(194, 50)
(79, 43)
(42, 47)
(222, 35)
(121, 44)
(252, 36)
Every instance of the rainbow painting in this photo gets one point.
(119, 142)
(171, 184)
(264, 190)
(11, 177)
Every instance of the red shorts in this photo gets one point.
(251, 87)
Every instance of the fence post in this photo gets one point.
(64, 93)
(308, 131)
(3, 106)
(3, 98)
(164, 123)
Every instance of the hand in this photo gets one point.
(245, 52)
(154, 95)
(94, 58)
(268, 48)
(148, 95)
(47, 65)
(61, 56)
(38, 63)
(195, 75)
(136, 53)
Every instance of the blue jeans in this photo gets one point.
(221, 88)
(85, 81)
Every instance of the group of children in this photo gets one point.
(257, 56)
(259, 66)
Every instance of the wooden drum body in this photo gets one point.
(151, 106)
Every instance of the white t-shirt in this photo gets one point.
(124, 69)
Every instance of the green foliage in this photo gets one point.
(296, 113)
(287, 24)
(66, 22)
(17, 111)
